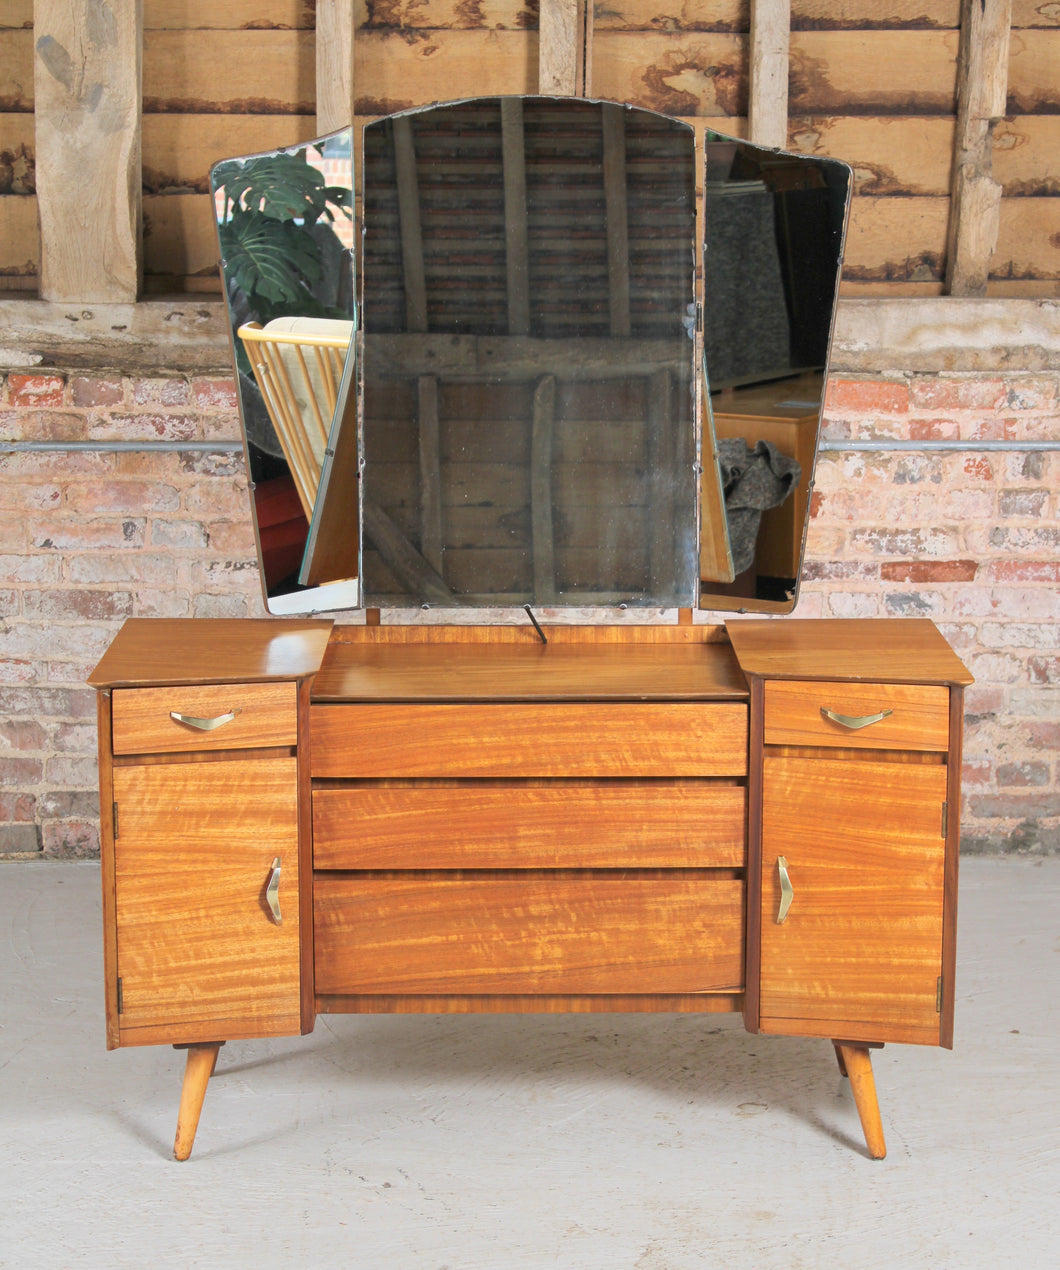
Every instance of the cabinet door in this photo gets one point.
(859, 953)
(200, 954)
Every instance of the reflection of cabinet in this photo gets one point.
(469, 821)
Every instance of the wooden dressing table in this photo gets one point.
(300, 819)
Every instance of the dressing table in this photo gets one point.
(302, 818)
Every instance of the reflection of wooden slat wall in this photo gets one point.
(871, 81)
(484, 457)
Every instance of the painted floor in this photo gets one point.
(504, 1142)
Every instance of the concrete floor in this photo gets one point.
(618, 1142)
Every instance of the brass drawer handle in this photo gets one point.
(862, 721)
(204, 725)
(272, 892)
(787, 891)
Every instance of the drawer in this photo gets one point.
(264, 715)
(524, 740)
(497, 826)
(539, 934)
(917, 716)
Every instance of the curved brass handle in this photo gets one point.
(272, 892)
(204, 725)
(862, 721)
(787, 891)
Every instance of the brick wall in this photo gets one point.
(966, 537)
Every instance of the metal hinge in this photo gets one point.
(114, 818)
(938, 996)
(121, 998)
(945, 819)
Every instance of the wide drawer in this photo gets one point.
(915, 716)
(497, 826)
(532, 934)
(522, 740)
(261, 715)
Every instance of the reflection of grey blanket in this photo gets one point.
(752, 481)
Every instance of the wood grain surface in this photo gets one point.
(265, 715)
(862, 941)
(888, 651)
(618, 825)
(604, 739)
(542, 933)
(919, 718)
(192, 856)
(149, 651)
(526, 670)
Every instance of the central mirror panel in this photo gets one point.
(527, 378)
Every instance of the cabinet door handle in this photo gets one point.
(204, 725)
(272, 892)
(787, 891)
(862, 721)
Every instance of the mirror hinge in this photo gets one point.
(121, 999)
(938, 995)
(114, 818)
(945, 819)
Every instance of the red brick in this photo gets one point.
(161, 392)
(17, 806)
(973, 393)
(21, 771)
(21, 734)
(35, 390)
(129, 496)
(1044, 736)
(65, 606)
(146, 427)
(1015, 806)
(1023, 774)
(71, 840)
(1029, 503)
(18, 839)
(71, 534)
(1032, 394)
(75, 738)
(920, 571)
(178, 535)
(87, 391)
(44, 425)
(868, 396)
(72, 771)
(934, 430)
(977, 772)
(979, 468)
(215, 395)
(1044, 670)
(1025, 570)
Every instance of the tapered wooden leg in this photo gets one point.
(839, 1059)
(197, 1072)
(858, 1064)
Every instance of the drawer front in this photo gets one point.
(535, 934)
(918, 717)
(529, 826)
(526, 740)
(263, 715)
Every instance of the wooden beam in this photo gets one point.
(516, 238)
(562, 43)
(86, 74)
(661, 466)
(614, 128)
(544, 550)
(982, 90)
(411, 233)
(334, 65)
(430, 474)
(767, 107)
(402, 558)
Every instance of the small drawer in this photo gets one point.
(914, 716)
(519, 739)
(143, 719)
(530, 826)
(558, 933)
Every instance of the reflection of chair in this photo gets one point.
(297, 362)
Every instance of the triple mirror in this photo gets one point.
(518, 410)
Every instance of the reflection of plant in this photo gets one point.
(267, 207)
